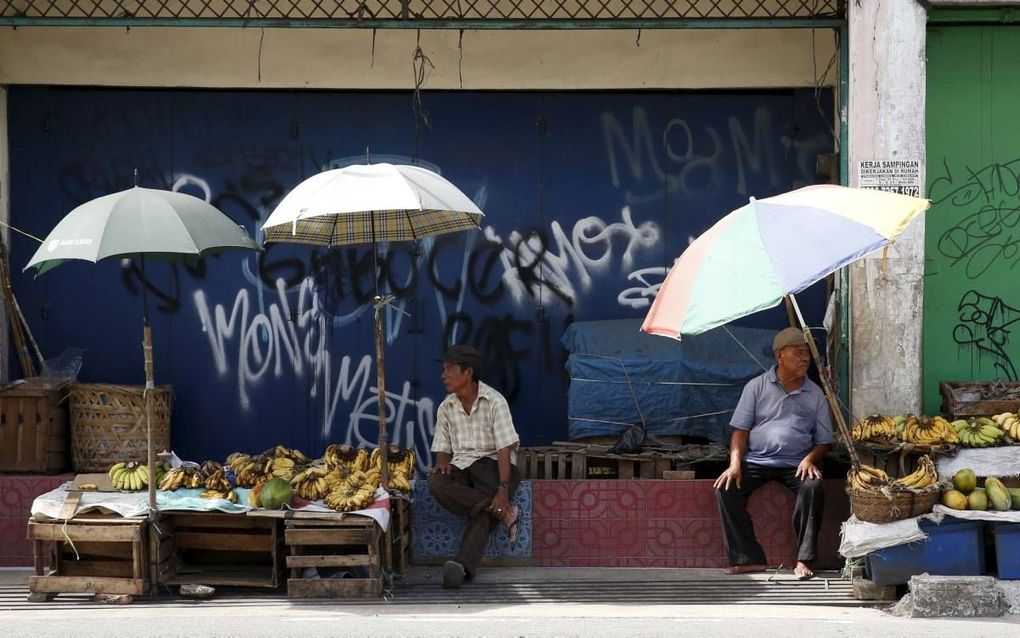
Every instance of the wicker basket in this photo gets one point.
(108, 424)
(879, 508)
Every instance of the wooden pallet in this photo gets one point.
(335, 541)
(91, 555)
(215, 548)
(593, 463)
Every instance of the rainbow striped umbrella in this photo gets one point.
(750, 259)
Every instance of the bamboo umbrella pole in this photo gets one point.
(830, 396)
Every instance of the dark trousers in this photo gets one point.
(738, 533)
(469, 493)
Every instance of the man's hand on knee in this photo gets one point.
(732, 476)
(808, 470)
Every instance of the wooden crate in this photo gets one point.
(399, 536)
(958, 400)
(34, 429)
(215, 548)
(89, 556)
(334, 541)
(563, 463)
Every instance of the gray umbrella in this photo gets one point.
(144, 223)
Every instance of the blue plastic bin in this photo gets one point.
(954, 548)
(1007, 550)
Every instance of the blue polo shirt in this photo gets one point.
(784, 425)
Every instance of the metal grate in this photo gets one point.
(416, 13)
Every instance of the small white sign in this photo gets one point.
(892, 176)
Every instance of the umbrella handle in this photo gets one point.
(829, 395)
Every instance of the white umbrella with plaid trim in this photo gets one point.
(370, 203)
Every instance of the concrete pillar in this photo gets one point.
(886, 122)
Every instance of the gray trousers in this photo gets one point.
(742, 547)
(469, 493)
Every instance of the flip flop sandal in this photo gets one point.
(514, 517)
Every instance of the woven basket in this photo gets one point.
(879, 508)
(108, 424)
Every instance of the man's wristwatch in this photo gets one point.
(505, 484)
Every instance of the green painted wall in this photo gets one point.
(972, 231)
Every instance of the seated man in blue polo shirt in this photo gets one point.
(781, 431)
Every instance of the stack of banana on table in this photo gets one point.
(345, 478)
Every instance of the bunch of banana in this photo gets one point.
(345, 456)
(228, 495)
(215, 479)
(179, 477)
(1009, 423)
(400, 482)
(129, 476)
(929, 431)
(209, 467)
(924, 477)
(978, 432)
(294, 454)
(348, 497)
(279, 467)
(250, 471)
(864, 478)
(311, 484)
(876, 427)
(235, 459)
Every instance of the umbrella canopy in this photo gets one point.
(145, 223)
(367, 203)
(159, 224)
(360, 204)
(750, 259)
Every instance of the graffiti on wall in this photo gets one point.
(984, 325)
(988, 202)
(283, 338)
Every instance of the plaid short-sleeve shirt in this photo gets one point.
(481, 434)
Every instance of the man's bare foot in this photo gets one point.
(733, 570)
(803, 572)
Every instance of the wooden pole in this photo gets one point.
(380, 382)
(150, 386)
(837, 413)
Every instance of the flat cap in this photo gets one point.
(788, 337)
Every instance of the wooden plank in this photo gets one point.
(348, 521)
(678, 475)
(626, 468)
(218, 540)
(70, 505)
(344, 560)
(60, 532)
(334, 588)
(576, 465)
(122, 551)
(85, 585)
(561, 471)
(107, 568)
(337, 536)
(220, 521)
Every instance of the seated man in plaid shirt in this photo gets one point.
(475, 445)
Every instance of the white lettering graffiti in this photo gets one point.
(270, 343)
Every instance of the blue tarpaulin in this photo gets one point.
(687, 387)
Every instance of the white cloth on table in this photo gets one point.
(986, 461)
(129, 504)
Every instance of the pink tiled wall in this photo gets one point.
(664, 524)
(16, 495)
